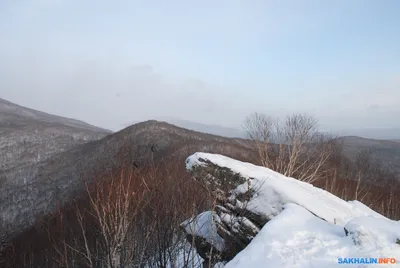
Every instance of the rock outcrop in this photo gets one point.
(249, 198)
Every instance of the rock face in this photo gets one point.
(233, 225)
(248, 198)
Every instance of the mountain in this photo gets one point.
(28, 136)
(38, 188)
(373, 133)
(204, 128)
(11, 111)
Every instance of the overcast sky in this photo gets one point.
(211, 61)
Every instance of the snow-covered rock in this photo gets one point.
(204, 228)
(266, 219)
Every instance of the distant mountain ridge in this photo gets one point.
(28, 136)
(372, 133)
(9, 110)
(229, 132)
(232, 132)
(218, 130)
(385, 151)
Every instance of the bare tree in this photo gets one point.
(130, 218)
(102, 231)
(293, 147)
(114, 206)
(261, 129)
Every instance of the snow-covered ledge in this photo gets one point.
(263, 217)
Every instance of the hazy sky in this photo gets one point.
(114, 62)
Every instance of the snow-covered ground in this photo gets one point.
(307, 224)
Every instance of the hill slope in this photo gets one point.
(385, 151)
(28, 136)
(41, 187)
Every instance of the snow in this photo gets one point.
(186, 256)
(296, 238)
(278, 190)
(204, 226)
(368, 231)
(362, 207)
(306, 225)
(219, 265)
(182, 254)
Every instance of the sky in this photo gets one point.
(110, 63)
